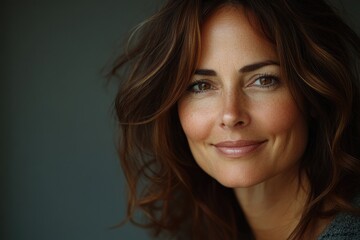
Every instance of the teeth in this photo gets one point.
(238, 151)
(231, 150)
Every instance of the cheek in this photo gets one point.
(287, 129)
(279, 115)
(195, 120)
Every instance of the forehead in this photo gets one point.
(231, 17)
(232, 30)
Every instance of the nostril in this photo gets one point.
(241, 123)
(232, 124)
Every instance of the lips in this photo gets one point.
(236, 149)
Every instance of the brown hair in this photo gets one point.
(318, 56)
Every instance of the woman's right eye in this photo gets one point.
(199, 86)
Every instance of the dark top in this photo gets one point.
(343, 227)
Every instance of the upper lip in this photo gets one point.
(238, 143)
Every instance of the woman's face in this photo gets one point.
(240, 119)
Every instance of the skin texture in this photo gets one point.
(242, 124)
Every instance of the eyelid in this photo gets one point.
(197, 82)
(258, 77)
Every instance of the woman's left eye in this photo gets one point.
(266, 81)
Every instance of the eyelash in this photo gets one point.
(197, 83)
(266, 76)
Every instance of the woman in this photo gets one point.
(239, 120)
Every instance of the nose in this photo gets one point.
(235, 110)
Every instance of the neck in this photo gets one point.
(273, 208)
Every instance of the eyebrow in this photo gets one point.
(255, 66)
(205, 72)
(248, 68)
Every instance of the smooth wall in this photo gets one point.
(60, 177)
(59, 170)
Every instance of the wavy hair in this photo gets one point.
(318, 56)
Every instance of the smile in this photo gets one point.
(237, 149)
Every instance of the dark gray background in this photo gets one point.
(60, 177)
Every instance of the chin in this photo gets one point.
(239, 182)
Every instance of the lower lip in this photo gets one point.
(237, 152)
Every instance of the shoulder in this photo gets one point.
(344, 226)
